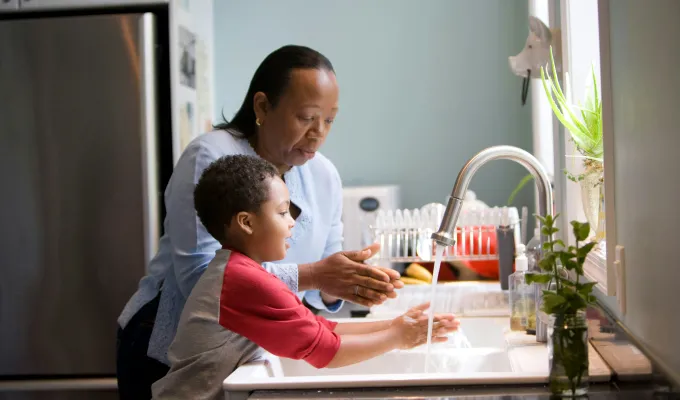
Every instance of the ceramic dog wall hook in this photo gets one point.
(536, 53)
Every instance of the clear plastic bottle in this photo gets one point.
(522, 305)
(533, 251)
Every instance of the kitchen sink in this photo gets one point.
(478, 354)
(395, 369)
(481, 332)
(406, 362)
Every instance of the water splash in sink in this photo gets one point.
(439, 253)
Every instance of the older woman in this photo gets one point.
(285, 117)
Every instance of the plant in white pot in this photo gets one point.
(584, 124)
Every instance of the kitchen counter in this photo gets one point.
(493, 357)
(528, 355)
(618, 370)
(597, 392)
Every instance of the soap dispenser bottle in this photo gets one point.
(522, 312)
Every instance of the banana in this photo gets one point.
(412, 281)
(419, 272)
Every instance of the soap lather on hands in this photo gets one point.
(412, 327)
(362, 341)
(344, 275)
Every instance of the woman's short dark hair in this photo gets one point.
(271, 78)
(228, 186)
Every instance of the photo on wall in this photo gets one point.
(187, 60)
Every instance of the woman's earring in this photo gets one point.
(257, 122)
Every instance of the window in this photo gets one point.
(580, 49)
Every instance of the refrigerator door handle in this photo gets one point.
(150, 190)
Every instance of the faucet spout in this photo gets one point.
(446, 235)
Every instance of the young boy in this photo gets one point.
(237, 309)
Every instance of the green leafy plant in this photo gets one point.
(515, 192)
(583, 121)
(565, 301)
(569, 296)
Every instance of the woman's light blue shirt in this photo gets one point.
(186, 248)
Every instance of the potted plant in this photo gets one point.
(584, 124)
(564, 301)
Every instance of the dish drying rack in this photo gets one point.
(405, 235)
(463, 298)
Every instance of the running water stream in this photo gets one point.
(439, 253)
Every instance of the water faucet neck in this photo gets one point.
(446, 233)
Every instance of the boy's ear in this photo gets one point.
(244, 220)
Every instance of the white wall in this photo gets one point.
(645, 66)
(423, 85)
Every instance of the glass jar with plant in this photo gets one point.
(564, 301)
(583, 121)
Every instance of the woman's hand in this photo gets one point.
(410, 329)
(344, 275)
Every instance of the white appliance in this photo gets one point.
(359, 208)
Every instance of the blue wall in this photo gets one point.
(424, 85)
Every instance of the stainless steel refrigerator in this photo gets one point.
(82, 101)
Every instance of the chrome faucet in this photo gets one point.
(446, 234)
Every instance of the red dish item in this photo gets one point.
(485, 268)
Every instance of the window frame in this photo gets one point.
(575, 47)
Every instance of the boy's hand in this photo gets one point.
(410, 329)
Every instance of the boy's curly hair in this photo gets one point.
(228, 186)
